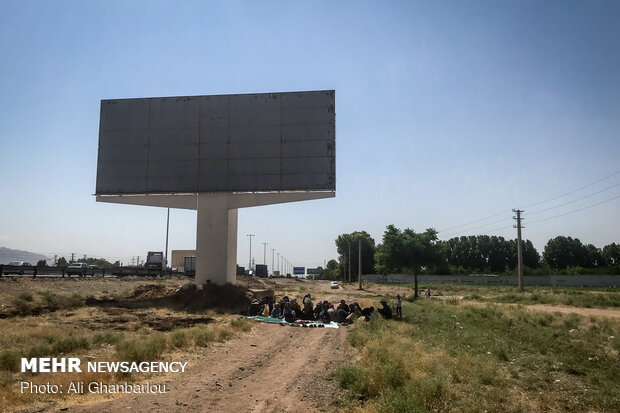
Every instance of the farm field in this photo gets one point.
(468, 348)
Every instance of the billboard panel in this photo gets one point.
(250, 142)
(299, 270)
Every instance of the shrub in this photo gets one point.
(69, 344)
(242, 324)
(142, 350)
(224, 334)
(51, 300)
(178, 338)
(107, 337)
(24, 296)
(9, 361)
(202, 336)
(354, 379)
(39, 351)
(501, 352)
(23, 307)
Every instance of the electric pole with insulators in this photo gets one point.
(349, 262)
(519, 248)
(359, 262)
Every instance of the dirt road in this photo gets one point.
(270, 369)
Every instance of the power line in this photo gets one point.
(496, 229)
(479, 226)
(576, 200)
(472, 222)
(529, 205)
(576, 210)
(571, 192)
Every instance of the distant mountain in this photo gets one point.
(7, 255)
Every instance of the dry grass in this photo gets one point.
(153, 330)
(445, 357)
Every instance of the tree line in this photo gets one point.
(409, 252)
(62, 262)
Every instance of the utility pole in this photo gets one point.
(72, 256)
(250, 261)
(264, 252)
(359, 262)
(167, 230)
(349, 262)
(273, 250)
(278, 261)
(519, 248)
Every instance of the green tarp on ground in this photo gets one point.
(306, 323)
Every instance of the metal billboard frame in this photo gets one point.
(217, 209)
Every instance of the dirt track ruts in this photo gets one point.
(270, 369)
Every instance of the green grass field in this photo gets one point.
(570, 296)
(450, 356)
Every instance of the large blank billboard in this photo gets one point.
(245, 143)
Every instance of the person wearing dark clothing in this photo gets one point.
(343, 306)
(318, 309)
(355, 308)
(367, 313)
(340, 316)
(256, 308)
(385, 310)
(296, 308)
(307, 312)
(289, 315)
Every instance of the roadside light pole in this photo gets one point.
(250, 262)
(278, 261)
(167, 230)
(264, 252)
(272, 254)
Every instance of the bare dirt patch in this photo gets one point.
(270, 369)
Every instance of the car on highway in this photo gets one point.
(18, 264)
(334, 284)
(79, 268)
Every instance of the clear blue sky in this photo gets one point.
(447, 112)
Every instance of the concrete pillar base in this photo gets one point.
(216, 234)
(216, 240)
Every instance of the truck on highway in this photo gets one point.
(190, 266)
(261, 271)
(154, 260)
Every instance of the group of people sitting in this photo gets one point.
(290, 310)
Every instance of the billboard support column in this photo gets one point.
(216, 240)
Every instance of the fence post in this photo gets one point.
(1, 270)
(34, 273)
